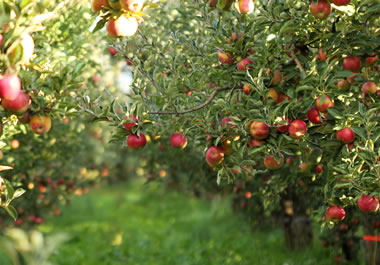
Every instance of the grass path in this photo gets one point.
(144, 225)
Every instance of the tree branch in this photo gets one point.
(299, 65)
(201, 106)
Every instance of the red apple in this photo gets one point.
(135, 142)
(352, 63)
(273, 94)
(283, 124)
(132, 5)
(244, 6)
(259, 130)
(17, 106)
(297, 129)
(371, 59)
(40, 124)
(324, 102)
(1, 39)
(303, 167)
(345, 135)
(281, 97)
(243, 63)
(255, 142)
(340, 2)
(112, 51)
(313, 115)
(323, 57)
(225, 57)
(321, 9)
(212, 3)
(246, 89)
(369, 88)
(10, 86)
(122, 26)
(318, 169)
(335, 213)
(214, 156)
(178, 140)
(368, 204)
(99, 4)
(271, 163)
(343, 84)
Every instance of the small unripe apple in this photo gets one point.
(254, 142)
(297, 129)
(244, 6)
(345, 135)
(259, 130)
(352, 63)
(313, 115)
(243, 64)
(132, 5)
(225, 57)
(17, 106)
(340, 2)
(10, 86)
(321, 9)
(135, 142)
(323, 57)
(343, 84)
(99, 4)
(178, 140)
(369, 88)
(324, 102)
(122, 26)
(368, 204)
(335, 213)
(271, 163)
(214, 156)
(40, 124)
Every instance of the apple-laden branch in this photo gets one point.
(201, 106)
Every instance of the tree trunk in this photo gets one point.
(372, 248)
(297, 224)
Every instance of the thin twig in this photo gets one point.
(201, 106)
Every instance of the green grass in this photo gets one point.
(144, 225)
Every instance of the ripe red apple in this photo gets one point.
(255, 142)
(99, 4)
(352, 63)
(40, 124)
(214, 156)
(271, 163)
(112, 51)
(281, 97)
(244, 6)
(17, 106)
(259, 130)
(297, 129)
(246, 89)
(340, 2)
(122, 26)
(212, 3)
(135, 142)
(335, 213)
(1, 39)
(321, 9)
(313, 115)
(323, 57)
(343, 84)
(225, 57)
(324, 102)
(178, 140)
(318, 169)
(368, 204)
(10, 86)
(243, 63)
(345, 135)
(283, 124)
(132, 5)
(369, 88)
(129, 125)
(371, 59)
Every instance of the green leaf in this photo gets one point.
(11, 211)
